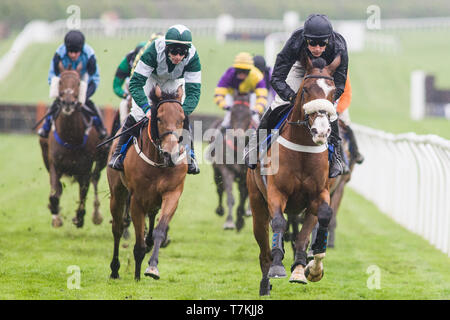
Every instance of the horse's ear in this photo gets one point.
(61, 67)
(333, 65)
(180, 93)
(309, 64)
(79, 67)
(158, 92)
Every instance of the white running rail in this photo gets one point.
(408, 177)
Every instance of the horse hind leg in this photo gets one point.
(277, 269)
(243, 194)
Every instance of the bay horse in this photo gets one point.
(300, 182)
(228, 169)
(153, 178)
(70, 150)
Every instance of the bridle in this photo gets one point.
(160, 137)
(305, 122)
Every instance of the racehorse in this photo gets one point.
(301, 181)
(228, 169)
(70, 149)
(153, 179)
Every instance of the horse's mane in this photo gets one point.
(172, 95)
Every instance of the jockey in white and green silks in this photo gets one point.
(168, 62)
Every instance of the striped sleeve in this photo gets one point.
(143, 70)
(193, 81)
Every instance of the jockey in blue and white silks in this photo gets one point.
(71, 53)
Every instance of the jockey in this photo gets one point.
(168, 62)
(73, 52)
(243, 77)
(342, 109)
(260, 63)
(315, 39)
(124, 72)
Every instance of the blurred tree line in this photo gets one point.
(16, 13)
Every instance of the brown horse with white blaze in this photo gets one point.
(71, 149)
(154, 172)
(300, 182)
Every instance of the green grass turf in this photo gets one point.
(203, 261)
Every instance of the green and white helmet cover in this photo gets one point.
(179, 34)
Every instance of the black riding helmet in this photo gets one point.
(260, 63)
(74, 41)
(317, 26)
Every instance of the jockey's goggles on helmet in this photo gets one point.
(246, 71)
(315, 42)
(178, 49)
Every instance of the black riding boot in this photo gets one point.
(354, 150)
(98, 123)
(45, 129)
(192, 162)
(337, 165)
(252, 145)
(116, 161)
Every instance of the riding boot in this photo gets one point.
(116, 161)
(337, 165)
(98, 123)
(354, 150)
(252, 145)
(192, 163)
(45, 129)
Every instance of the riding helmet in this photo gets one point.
(74, 41)
(243, 60)
(317, 26)
(178, 34)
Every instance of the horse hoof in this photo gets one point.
(314, 270)
(152, 272)
(220, 211)
(78, 223)
(97, 219)
(229, 225)
(114, 276)
(248, 213)
(56, 221)
(277, 272)
(166, 242)
(265, 287)
(298, 275)
(240, 224)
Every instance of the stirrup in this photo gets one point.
(116, 162)
(42, 133)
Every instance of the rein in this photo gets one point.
(158, 139)
(306, 121)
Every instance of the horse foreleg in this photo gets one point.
(261, 219)
(138, 217)
(168, 207)
(117, 204)
(301, 245)
(228, 179)
(83, 181)
(276, 206)
(55, 194)
(151, 226)
(335, 203)
(96, 216)
(243, 194)
(314, 269)
(219, 185)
